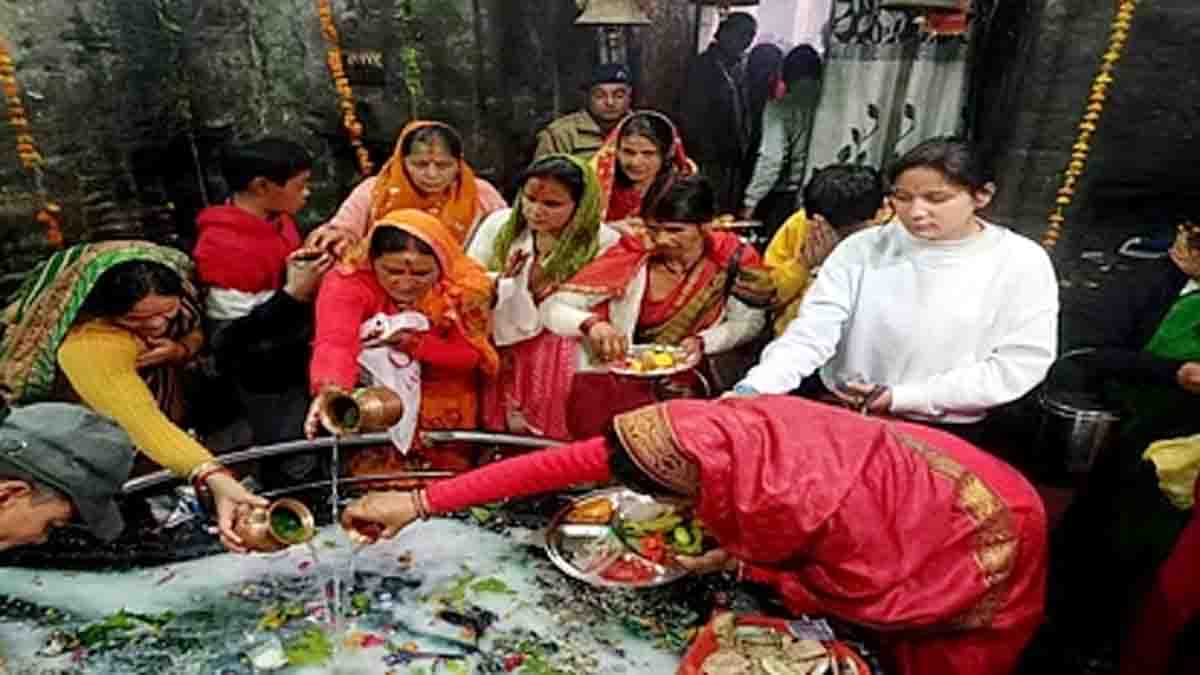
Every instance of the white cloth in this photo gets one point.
(564, 311)
(954, 328)
(227, 304)
(516, 318)
(394, 369)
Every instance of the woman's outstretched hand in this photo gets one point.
(230, 497)
(335, 240)
(312, 420)
(379, 515)
(716, 560)
(606, 343)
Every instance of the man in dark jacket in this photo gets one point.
(714, 111)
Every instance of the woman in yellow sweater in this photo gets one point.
(110, 325)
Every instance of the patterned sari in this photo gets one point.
(530, 392)
(48, 305)
(694, 305)
(623, 201)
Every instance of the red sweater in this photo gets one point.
(344, 303)
(236, 249)
(546, 471)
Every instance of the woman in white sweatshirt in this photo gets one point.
(937, 316)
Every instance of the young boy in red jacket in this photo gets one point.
(261, 283)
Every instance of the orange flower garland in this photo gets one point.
(1087, 126)
(50, 215)
(333, 58)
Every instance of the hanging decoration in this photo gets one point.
(1088, 124)
(350, 122)
(50, 214)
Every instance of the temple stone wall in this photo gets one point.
(130, 101)
(1144, 158)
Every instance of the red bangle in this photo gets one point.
(200, 482)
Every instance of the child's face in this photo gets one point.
(290, 197)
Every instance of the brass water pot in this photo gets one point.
(364, 410)
(283, 523)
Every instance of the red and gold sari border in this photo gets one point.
(996, 540)
(650, 441)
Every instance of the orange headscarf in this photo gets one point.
(463, 294)
(457, 206)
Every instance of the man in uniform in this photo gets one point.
(581, 133)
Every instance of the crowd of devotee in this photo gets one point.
(829, 421)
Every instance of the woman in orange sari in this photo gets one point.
(681, 283)
(426, 172)
(640, 158)
(932, 543)
(408, 262)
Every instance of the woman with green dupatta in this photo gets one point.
(1122, 526)
(551, 233)
(110, 325)
(681, 282)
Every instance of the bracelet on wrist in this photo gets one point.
(420, 504)
(199, 481)
(203, 468)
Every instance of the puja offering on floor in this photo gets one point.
(619, 538)
(653, 360)
(733, 645)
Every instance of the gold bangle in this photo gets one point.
(203, 467)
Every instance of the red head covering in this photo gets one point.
(623, 201)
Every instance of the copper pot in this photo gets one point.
(364, 410)
(283, 523)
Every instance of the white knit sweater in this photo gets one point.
(954, 328)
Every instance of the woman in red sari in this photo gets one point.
(679, 283)
(640, 158)
(409, 261)
(903, 529)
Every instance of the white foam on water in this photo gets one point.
(442, 552)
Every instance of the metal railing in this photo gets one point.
(151, 480)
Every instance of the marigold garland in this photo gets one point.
(50, 215)
(333, 58)
(1091, 118)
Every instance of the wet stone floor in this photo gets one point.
(473, 595)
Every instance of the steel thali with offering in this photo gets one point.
(596, 539)
(653, 360)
